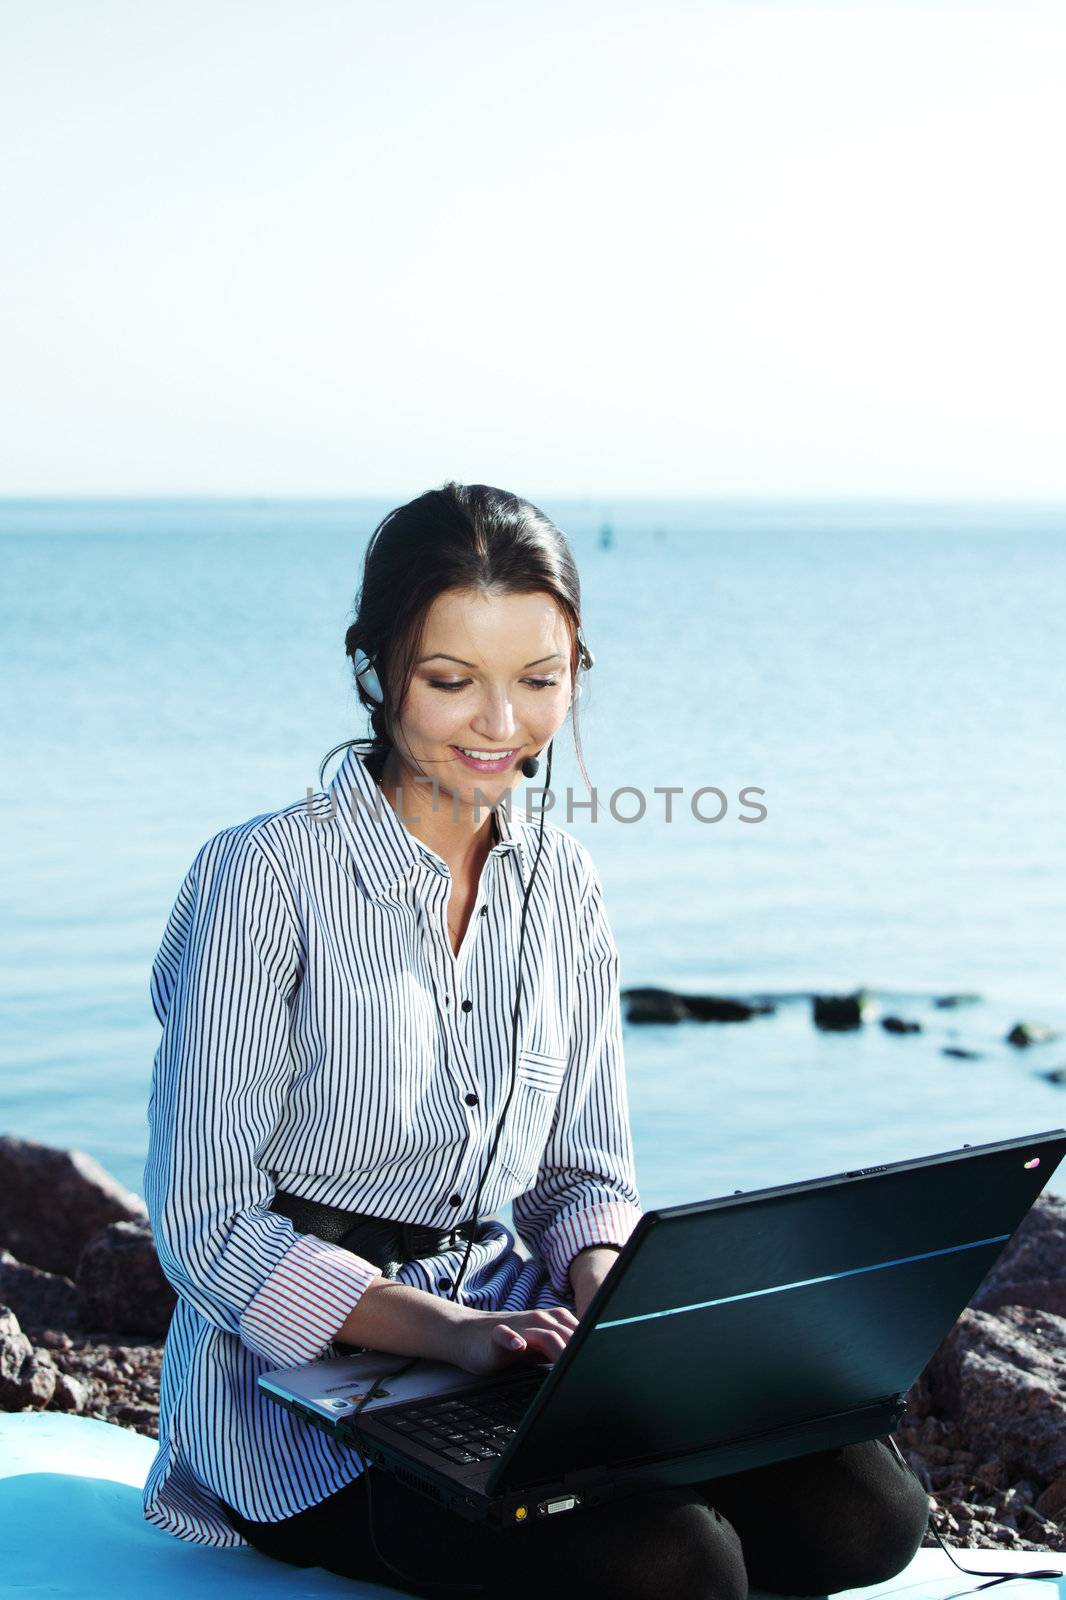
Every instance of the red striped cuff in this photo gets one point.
(605, 1222)
(305, 1301)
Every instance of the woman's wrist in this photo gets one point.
(399, 1319)
(594, 1261)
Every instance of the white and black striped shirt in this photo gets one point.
(321, 1036)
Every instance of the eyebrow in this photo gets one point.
(440, 656)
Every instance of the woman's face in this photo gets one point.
(492, 674)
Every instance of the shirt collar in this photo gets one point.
(384, 849)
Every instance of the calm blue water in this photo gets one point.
(890, 677)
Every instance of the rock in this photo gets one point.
(950, 1000)
(1052, 1503)
(70, 1394)
(41, 1377)
(840, 1011)
(121, 1284)
(1024, 1034)
(53, 1201)
(1032, 1268)
(654, 1005)
(991, 1474)
(15, 1352)
(960, 1053)
(718, 1008)
(38, 1299)
(898, 1025)
(27, 1376)
(1001, 1377)
(1055, 1075)
(53, 1339)
(664, 1005)
(120, 1383)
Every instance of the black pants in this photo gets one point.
(813, 1525)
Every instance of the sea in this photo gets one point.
(827, 751)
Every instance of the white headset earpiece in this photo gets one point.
(366, 673)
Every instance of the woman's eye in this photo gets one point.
(534, 683)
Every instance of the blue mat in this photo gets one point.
(70, 1510)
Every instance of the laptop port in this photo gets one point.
(564, 1502)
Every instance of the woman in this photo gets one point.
(336, 986)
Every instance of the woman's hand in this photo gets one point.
(490, 1341)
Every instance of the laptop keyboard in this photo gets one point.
(470, 1427)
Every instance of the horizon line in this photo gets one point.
(607, 498)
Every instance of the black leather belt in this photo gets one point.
(385, 1243)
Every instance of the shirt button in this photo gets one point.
(471, 1098)
(484, 911)
(468, 1005)
(455, 1199)
(444, 1283)
(447, 999)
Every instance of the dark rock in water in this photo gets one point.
(121, 1282)
(1027, 1033)
(1032, 1269)
(1002, 1379)
(38, 1299)
(898, 1025)
(840, 1011)
(53, 1201)
(653, 1005)
(1056, 1075)
(946, 1000)
(960, 1053)
(665, 1005)
(717, 1008)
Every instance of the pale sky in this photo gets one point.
(655, 248)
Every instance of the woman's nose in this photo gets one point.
(496, 720)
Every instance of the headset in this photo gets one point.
(366, 674)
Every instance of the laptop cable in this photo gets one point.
(529, 768)
(998, 1576)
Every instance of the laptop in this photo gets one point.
(730, 1333)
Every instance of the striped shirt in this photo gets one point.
(321, 1036)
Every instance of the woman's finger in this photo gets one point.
(552, 1344)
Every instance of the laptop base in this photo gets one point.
(512, 1508)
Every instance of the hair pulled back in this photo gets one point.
(460, 536)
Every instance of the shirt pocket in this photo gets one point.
(538, 1079)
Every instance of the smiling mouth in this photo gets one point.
(486, 758)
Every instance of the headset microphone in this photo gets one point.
(530, 767)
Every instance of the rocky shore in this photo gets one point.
(84, 1309)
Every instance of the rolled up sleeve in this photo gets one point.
(222, 984)
(586, 1192)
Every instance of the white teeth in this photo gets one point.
(478, 755)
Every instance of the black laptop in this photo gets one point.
(730, 1333)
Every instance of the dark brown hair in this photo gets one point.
(460, 536)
